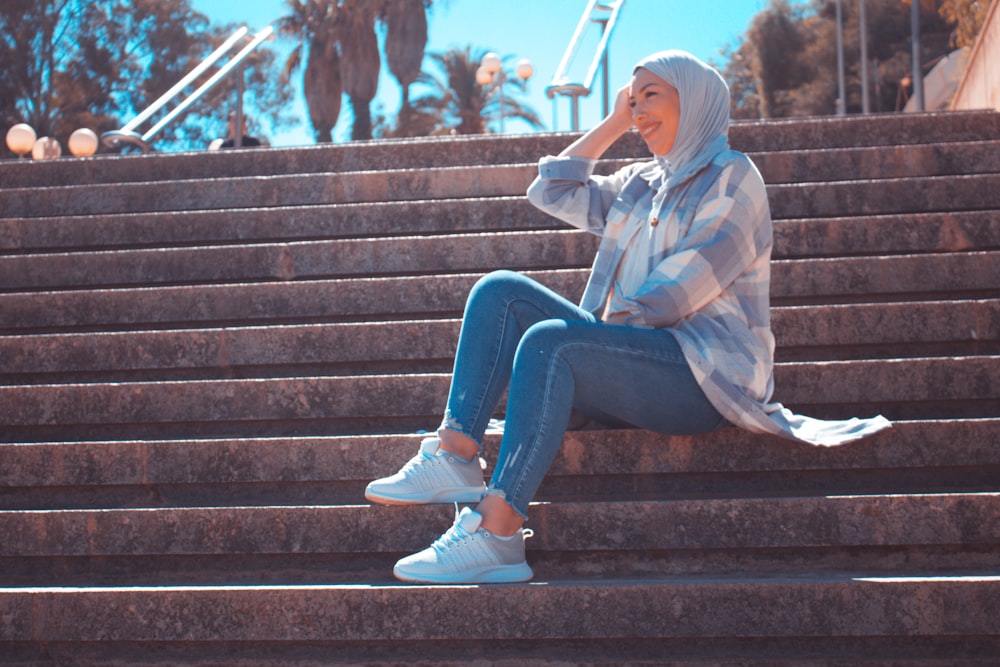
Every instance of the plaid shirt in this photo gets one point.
(694, 258)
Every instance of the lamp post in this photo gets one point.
(841, 101)
(491, 72)
(918, 76)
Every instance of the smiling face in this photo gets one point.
(656, 110)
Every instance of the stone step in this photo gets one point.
(879, 162)
(902, 195)
(864, 330)
(927, 388)
(794, 282)
(302, 260)
(906, 608)
(811, 134)
(823, 199)
(411, 255)
(520, 651)
(285, 224)
(836, 236)
(868, 533)
(927, 456)
(280, 190)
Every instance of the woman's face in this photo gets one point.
(656, 110)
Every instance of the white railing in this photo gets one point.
(606, 14)
(129, 135)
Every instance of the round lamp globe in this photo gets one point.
(83, 142)
(21, 139)
(46, 148)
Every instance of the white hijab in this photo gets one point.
(704, 100)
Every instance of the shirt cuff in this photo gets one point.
(569, 168)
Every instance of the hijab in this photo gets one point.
(703, 131)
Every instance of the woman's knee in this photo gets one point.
(543, 339)
(500, 285)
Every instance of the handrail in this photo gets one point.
(561, 85)
(128, 135)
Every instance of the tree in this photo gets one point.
(791, 56)
(744, 100)
(775, 45)
(967, 16)
(312, 23)
(360, 62)
(459, 104)
(95, 63)
(405, 40)
(341, 35)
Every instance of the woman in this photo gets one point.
(672, 334)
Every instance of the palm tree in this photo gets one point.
(461, 104)
(312, 23)
(344, 56)
(360, 62)
(405, 40)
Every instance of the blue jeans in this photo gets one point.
(556, 357)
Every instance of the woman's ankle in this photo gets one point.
(458, 444)
(499, 517)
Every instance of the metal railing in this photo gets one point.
(128, 133)
(605, 13)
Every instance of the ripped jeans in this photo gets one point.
(556, 357)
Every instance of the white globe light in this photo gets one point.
(21, 139)
(491, 62)
(83, 142)
(524, 68)
(46, 148)
(484, 77)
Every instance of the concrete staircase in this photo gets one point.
(205, 357)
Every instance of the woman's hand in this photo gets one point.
(596, 141)
(621, 112)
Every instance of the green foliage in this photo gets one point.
(96, 63)
(786, 64)
(454, 103)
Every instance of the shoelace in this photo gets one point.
(414, 467)
(452, 537)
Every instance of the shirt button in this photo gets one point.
(654, 222)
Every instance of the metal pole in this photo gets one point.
(841, 101)
(189, 78)
(238, 121)
(500, 79)
(865, 106)
(604, 75)
(918, 75)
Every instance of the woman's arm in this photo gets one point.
(598, 139)
(567, 189)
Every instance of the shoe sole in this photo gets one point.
(455, 495)
(504, 574)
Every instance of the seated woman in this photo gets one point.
(672, 334)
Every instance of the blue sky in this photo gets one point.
(539, 30)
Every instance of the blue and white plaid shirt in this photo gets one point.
(694, 258)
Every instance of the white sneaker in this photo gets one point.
(467, 554)
(432, 476)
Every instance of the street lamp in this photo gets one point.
(83, 142)
(21, 139)
(491, 72)
(46, 148)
